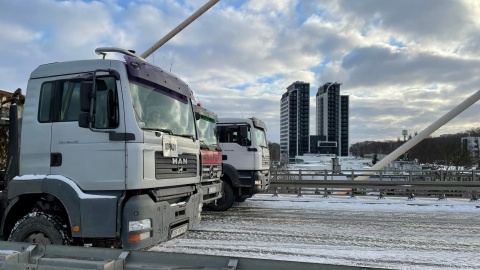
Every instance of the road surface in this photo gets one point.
(392, 233)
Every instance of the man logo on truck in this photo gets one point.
(179, 161)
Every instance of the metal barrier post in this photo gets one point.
(275, 193)
(325, 192)
(299, 189)
(275, 177)
(352, 193)
(299, 193)
(474, 196)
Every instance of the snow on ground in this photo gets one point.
(391, 233)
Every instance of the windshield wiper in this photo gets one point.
(185, 136)
(165, 130)
(203, 145)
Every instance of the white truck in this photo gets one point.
(246, 160)
(106, 154)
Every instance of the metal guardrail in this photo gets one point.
(400, 183)
(42, 257)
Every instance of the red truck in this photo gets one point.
(211, 154)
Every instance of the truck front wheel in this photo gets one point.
(42, 228)
(226, 201)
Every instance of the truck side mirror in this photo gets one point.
(244, 142)
(243, 131)
(86, 89)
(84, 120)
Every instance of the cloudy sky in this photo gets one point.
(403, 63)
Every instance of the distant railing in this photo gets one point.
(428, 183)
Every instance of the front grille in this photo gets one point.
(210, 172)
(185, 166)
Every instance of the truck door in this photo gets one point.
(89, 158)
(37, 128)
(235, 141)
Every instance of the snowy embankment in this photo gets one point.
(391, 233)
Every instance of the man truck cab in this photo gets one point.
(108, 156)
(246, 159)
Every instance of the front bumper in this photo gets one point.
(261, 180)
(212, 191)
(165, 218)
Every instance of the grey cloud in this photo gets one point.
(376, 66)
(440, 19)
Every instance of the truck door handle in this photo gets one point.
(55, 159)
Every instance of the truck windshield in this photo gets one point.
(207, 130)
(154, 110)
(260, 137)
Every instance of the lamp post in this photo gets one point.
(404, 133)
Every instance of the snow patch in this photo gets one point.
(8, 252)
(62, 178)
(30, 177)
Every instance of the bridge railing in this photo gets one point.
(428, 183)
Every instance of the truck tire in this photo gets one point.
(226, 201)
(42, 228)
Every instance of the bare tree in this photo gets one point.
(274, 150)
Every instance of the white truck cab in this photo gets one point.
(246, 159)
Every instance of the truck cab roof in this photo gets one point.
(256, 122)
(137, 67)
(72, 67)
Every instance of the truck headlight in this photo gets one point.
(139, 225)
(258, 182)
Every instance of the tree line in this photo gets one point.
(444, 150)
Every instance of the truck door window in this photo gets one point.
(106, 110)
(45, 102)
(106, 103)
(70, 105)
(233, 134)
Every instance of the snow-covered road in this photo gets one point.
(392, 233)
